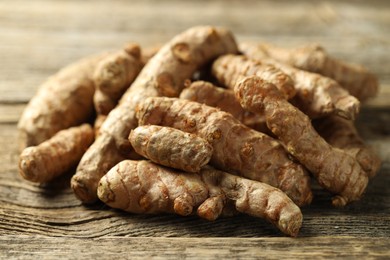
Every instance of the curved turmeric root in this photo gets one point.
(342, 133)
(171, 147)
(320, 96)
(57, 155)
(97, 124)
(113, 75)
(237, 148)
(206, 93)
(334, 169)
(163, 75)
(144, 187)
(229, 69)
(356, 79)
(316, 95)
(63, 100)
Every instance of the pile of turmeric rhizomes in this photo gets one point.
(203, 125)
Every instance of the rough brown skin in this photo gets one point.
(320, 96)
(229, 69)
(144, 187)
(99, 120)
(356, 79)
(334, 169)
(163, 75)
(171, 147)
(237, 148)
(342, 133)
(207, 93)
(56, 155)
(63, 100)
(113, 75)
(316, 95)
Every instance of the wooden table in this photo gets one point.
(47, 221)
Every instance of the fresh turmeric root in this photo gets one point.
(201, 134)
(55, 156)
(356, 79)
(316, 95)
(237, 148)
(229, 69)
(62, 101)
(113, 75)
(163, 75)
(171, 147)
(99, 120)
(206, 93)
(342, 133)
(334, 169)
(144, 187)
(66, 99)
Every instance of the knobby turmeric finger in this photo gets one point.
(229, 69)
(113, 75)
(144, 187)
(316, 95)
(207, 93)
(171, 147)
(334, 169)
(163, 75)
(62, 101)
(237, 148)
(342, 133)
(57, 155)
(356, 79)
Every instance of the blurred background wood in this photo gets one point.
(39, 37)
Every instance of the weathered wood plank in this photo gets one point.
(39, 247)
(100, 221)
(10, 113)
(301, 17)
(53, 43)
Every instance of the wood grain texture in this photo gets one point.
(35, 43)
(47, 221)
(25, 247)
